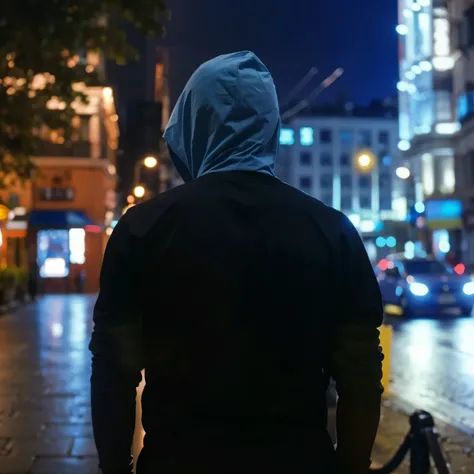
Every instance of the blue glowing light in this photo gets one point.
(391, 242)
(306, 136)
(419, 207)
(287, 136)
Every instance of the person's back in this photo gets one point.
(239, 296)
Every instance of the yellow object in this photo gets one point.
(4, 212)
(386, 343)
(393, 310)
(365, 161)
(139, 191)
(150, 162)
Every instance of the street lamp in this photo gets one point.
(403, 172)
(365, 161)
(149, 162)
(139, 191)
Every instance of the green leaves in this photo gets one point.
(43, 53)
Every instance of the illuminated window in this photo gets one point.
(53, 253)
(424, 38)
(306, 136)
(77, 246)
(441, 37)
(159, 81)
(427, 174)
(465, 105)
(446, 174)
(287, 136)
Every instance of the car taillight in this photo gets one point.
(460, 268)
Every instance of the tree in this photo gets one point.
(42, 60)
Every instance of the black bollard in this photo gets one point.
(420, 422)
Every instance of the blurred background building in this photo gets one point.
(57, 224)
(144, 115)
(462, 36)
(347, 156)
(428, 124)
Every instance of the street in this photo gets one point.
(45, 423)
(433, 367)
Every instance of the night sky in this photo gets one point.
(290, 37)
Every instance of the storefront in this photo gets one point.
(444, 223)
(68, 247)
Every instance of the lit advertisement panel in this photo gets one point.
(53, 253)
(444, 214)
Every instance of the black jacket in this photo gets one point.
(240, 296)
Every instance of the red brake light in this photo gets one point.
(92, 228)
(460, 269)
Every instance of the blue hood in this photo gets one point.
(226, 119)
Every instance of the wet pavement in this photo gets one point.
(433, 367)
(45, 425)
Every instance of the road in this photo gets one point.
(433, 367)
(45, 367)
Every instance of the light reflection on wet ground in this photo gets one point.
(44, 358)
(433, 367)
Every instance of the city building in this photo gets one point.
(59, 221)
(347, 157)
(427, 122)
(142, 124)
(462, 27)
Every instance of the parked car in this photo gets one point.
(417, 286)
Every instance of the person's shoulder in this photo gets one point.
(298, 199)
(144, 215)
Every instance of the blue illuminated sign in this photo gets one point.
(443, 209)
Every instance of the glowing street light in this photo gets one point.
(150, 162)
(403, 172)
(139, 191)
(365, 161)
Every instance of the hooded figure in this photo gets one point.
(226, 119)
(240, 297)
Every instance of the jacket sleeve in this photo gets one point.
(356, 356)
(116, 355)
